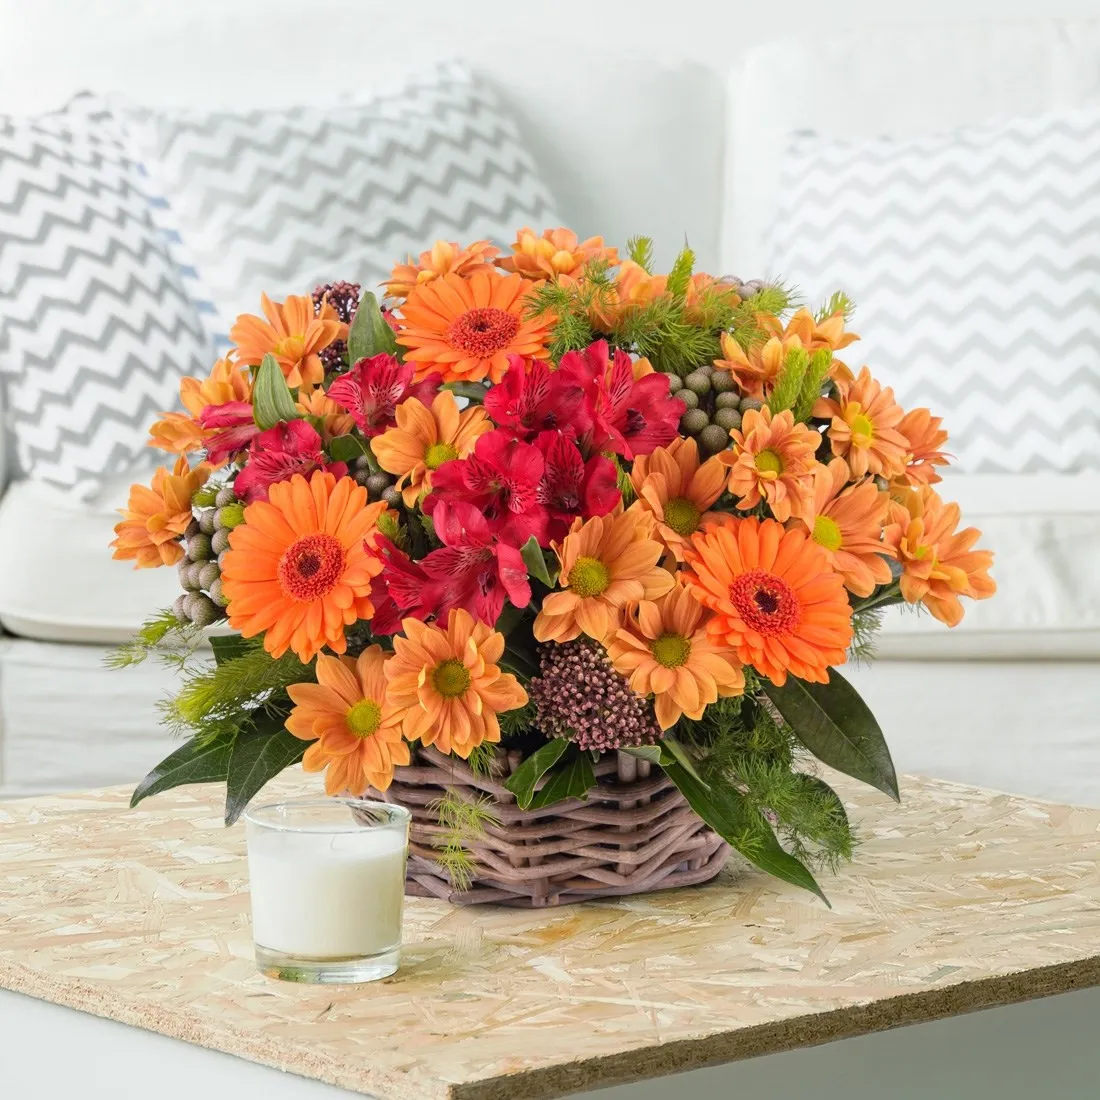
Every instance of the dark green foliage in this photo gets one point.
(523, 780)
(272, 401)
(572, 777)
(369, 334)
(260, 752)
(515, 722)
(197, 761)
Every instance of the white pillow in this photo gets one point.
(974, 262)
(280, 200)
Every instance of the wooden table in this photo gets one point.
(961, 899)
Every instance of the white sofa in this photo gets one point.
(1010, 699)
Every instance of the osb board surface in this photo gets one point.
(959, 899)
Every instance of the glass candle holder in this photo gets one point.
(327, 878)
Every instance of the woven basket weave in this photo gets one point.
(634, 833)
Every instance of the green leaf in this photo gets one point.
(522, 781)
(259, 755)
(369, 334)
(652, 753)
(674, 750)
(574, 780)
(472, 391)
(837, 726)
(272, 401)
(345, 448)
(228, 646)
(743, 827)
(198, 761)
(535, 561)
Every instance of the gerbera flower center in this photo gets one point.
(291, 347)
(765, 602)
(589, 577)
(682, 516)
(671, 650)
(827, 533)
(451, 678)
(310, 567)
(438, 453)
(483, 332)
(863, 431)
(364, 718)
(769, 462)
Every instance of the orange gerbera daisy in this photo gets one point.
(772, 460)
(556, 252)
(776, 599)
(443, 258)
(938, 564)
(848, 523)
(297, 567)
(356, 734)
(664, 649)
(465, 328)
(180, 432)
(606, 562)
(333, 420)
(446, 683)
(925, 437)
(292, 334)
(671, 483)
(425, 438)
(864, 427)
(156, 516)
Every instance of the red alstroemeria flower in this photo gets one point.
(533, 399)
(402, 590)
(234, 427)
(571, 487)
(630, 417)
(375, 386)
(278, 454)
(476, 568)
(501, 479)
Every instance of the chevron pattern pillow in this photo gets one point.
(282, 200)
(975, 259)
(95, 327)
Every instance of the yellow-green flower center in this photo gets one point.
(451, 678)
(768, 462)
(589, 577)
(364, 718)
(682, 516)
(827, 533)
(671, 650)
(438, 453)
(863, 431)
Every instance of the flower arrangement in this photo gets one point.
(545, 506)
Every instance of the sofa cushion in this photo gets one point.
(58, 581)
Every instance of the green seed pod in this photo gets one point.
(180, 609)
(675, 383)
(713, 439)
(748, 403)
(693, 421)
(727, 419)
(361, 463)
(361, 477)
(193, 528)
(204, 497)
(728, 400)
(721, 381)
(198, 547)
(377, 484)
(202, 611)
(707, 369)
(208, 574)
(206, 521)
(232, 515)
(689, 398)
(392, 497)
(183, 571)
(698, 382)
(216, 594)
(225, 497)
(219, 541)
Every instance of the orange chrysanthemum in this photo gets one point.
(356, 734)
(156, 516)
(557, 252)
(425, 438)
(297, 567)
(772, 460)
(606, 562)
(292, 334)
(334, 420)
(664, 649)
(776, 599)
(925, 438)
(443, 258)
(756, 369)
(848, 522)
(671, 483)
(864, 427)
(464, 329)
(446, 683)
(180, 432)
(938, 564)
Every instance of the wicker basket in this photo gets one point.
(635, 833)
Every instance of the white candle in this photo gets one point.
(327, 886)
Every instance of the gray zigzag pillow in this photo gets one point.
(95, 327)
(278, 201)
(974, 262)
